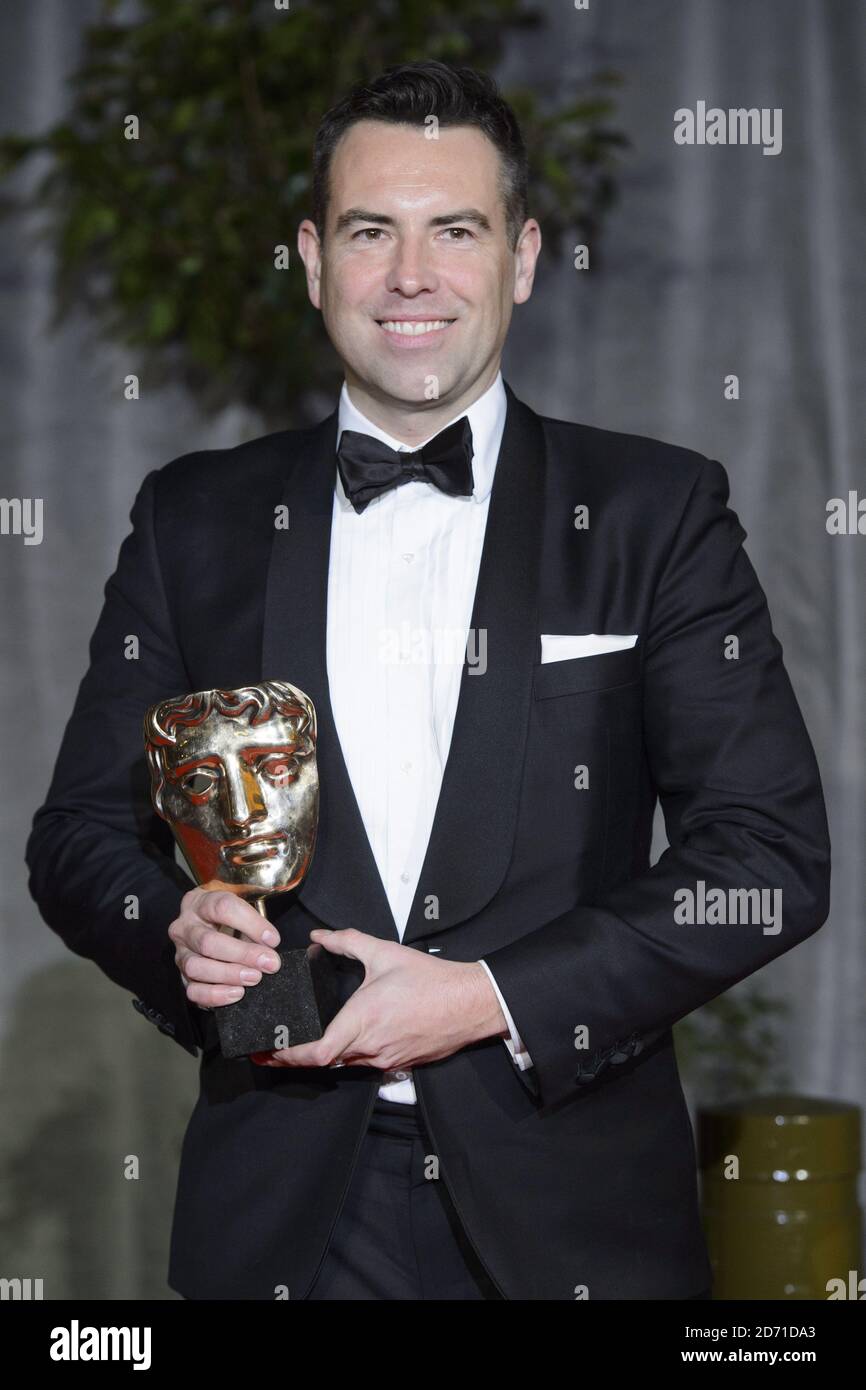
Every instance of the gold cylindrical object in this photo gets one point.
(779, 1184)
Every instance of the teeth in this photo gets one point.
(413, 330)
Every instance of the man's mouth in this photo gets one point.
(255, 848)
(414, 328)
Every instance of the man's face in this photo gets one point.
(416, 231)
(242, 801)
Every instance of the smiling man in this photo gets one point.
(426, 252)
(495, 1111)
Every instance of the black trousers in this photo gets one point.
(398, 1235)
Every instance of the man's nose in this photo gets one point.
(244, 796)
(410, 269)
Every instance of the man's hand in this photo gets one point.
(214, 965)
(411, 1008)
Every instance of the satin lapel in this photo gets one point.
(476, 816)
(342, 886)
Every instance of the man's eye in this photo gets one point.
(200, 782)
(463, 233)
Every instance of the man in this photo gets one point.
(496, 1111)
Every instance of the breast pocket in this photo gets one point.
(585, 754)
(582, 674)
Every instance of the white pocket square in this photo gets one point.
(556, 646)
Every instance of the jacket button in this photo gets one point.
(593, 1069)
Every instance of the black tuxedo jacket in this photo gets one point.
(578, 1174)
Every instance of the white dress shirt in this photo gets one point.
(401, 588)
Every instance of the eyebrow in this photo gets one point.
(445, 219)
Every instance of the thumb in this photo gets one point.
(357, 945)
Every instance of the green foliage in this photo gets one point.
(169, 239)
(731, 1047)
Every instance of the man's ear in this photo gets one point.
(310, 252)
(527, 253)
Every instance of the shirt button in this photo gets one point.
(407, 767)
(409, 558)
(404, 878)
(401, 1076)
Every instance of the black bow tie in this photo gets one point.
(369, 467)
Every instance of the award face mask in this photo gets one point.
(234, 774)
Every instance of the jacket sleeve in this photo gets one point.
(102, 867)
(738, 782)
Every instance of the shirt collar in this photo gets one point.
(486, 419)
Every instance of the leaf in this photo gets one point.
(162, 317)
(169, 239)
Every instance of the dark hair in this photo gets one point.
(406, 95)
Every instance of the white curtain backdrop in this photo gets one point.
(716, 260)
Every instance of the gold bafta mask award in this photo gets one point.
(234, 774)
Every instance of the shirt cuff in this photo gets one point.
(515, 1043)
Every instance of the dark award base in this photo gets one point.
(299, 1000)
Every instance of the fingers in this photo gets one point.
(216, 972)
(340, 1037)
(202, 924)
(357, 945)
(216, 967)
(222, 906)
(211, 982)
(209, 996)
(202, 939)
